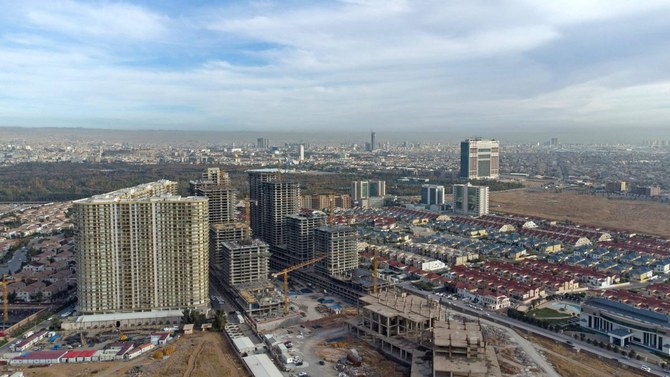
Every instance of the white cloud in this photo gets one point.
(103, 20)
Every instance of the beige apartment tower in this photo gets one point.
(141, 249)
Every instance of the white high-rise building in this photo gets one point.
(142, 249)
(302, 153)
(471, 200)
(432, 195)
(480, 159)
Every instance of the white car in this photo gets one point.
(645, 368)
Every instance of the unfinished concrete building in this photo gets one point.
(211, 176)
(300, 229)
(278, 200)
(220, 233)
(256, 179)
(340, 244)
(459, 350)
(222, 201)
(397, 323)
(260, 299)
(245, 262)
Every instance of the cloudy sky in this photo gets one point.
(335, 65)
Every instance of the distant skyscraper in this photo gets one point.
(432, 195)
(340, 244)
(480, 159)
(140, 249)
(302, 153)
(554, 141)
(471, 200)
(377, 188)
(262, 143)
(360, 190)
(373, 146)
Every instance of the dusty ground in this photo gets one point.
(569, 363)
(205, 354)
(636, 216)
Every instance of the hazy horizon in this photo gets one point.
(212, 137)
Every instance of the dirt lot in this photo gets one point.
(636, 216)
(203, 354)
(569, 363)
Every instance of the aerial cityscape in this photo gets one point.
(335, 189)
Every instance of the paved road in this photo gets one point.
(14, 264)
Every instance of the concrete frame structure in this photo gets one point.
(256, 179)
(396, 322)
(340, 244)
(459, 350)
(220, 233)
(244, 262)
(432, 195)
(278, 200)
(300, 242)
(140, 249)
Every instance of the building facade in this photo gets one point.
(480, 159)
(432, 195)
(471, 200)
(140, 249)
(278, 200)
(300, 228)
(340, 244)
(245, 262)
(624, 324)
(256, 179)
(220, 233)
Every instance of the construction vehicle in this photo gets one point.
(293, 268)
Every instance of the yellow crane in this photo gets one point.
(331, 209)
(375, 265)
(5, 301)
(247, 218)
(293, 268)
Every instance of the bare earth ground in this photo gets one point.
(635, 216)
(569, 363)
(203, 354)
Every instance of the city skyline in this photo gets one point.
(389, 66)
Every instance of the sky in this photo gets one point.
(346, 65)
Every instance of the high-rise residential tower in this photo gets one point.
(471, 200)
(480, 159)
(300, 228)
(278, 200)
(339, 244)
(256, 179)
(141, 249)
(373, 142)
(432, 195)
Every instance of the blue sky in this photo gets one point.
(335, 65)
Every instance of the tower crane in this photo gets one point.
(375, 265)
(331, 209)
(247, 218)
(293, 268)
(5, 301)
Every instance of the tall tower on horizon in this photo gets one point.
(372, 140)
(480, 159)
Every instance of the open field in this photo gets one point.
(203, 354)
(634, 216)
(569, 363)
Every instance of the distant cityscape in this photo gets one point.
(405, 273)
